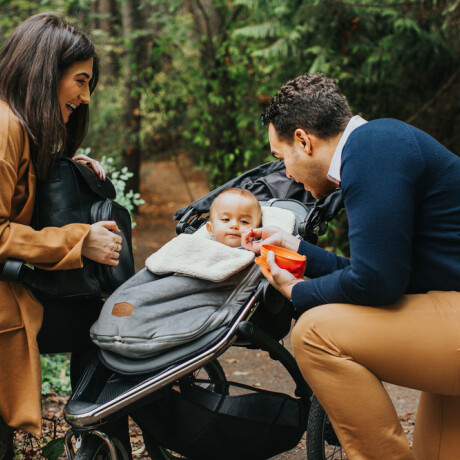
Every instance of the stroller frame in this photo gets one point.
(154, 383)
(87, 417)
(241, 333)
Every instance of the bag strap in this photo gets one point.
(16, 271)
(11, 269)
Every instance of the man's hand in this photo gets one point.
(270, 235)
(280, 279)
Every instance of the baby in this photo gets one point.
(232, 212)
(166, 311)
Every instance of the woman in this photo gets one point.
(48, 70)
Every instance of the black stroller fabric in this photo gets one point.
(266, 182)
(211, 421)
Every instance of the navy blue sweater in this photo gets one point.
(401, 192)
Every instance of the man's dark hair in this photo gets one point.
(312, 102)
(32, 61)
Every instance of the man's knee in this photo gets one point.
(307, 332)
(313, 339)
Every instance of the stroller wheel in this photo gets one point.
(94, 448)
(322, 442)
(212, 372)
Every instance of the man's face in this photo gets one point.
(307, 161)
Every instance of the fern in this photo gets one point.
(279, 49)
(267, 29)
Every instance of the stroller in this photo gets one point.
(181, 397)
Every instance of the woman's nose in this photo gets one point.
(85, 96)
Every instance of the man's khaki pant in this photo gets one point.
(345, 351)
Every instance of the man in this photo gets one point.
(392, 311)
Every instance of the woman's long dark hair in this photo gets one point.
(32, 61)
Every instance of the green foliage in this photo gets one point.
(55, 373)
(389, 60)
(106, 132)
(54, 449)
(206, 93)
(211, 68)
(128, 199)
(336, 237)
(389, 57)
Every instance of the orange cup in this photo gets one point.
(284, 258)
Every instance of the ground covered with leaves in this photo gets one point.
(51, 445)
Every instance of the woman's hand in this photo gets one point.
(93, 164)
(269, 235)
(101, 244)
(280, 279)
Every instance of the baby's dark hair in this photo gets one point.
(242, 193)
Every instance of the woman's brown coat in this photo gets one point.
(50, 248)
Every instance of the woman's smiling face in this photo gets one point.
(73, 87)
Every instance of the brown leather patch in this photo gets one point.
(122, 309)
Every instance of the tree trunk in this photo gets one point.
(106, 9)
(132, 115)
(94, 10)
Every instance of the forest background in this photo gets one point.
(194, 75)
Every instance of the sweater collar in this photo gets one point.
(336, 162)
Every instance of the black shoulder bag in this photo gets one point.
(75, 194)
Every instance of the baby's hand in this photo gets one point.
(270, 235)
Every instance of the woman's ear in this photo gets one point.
(209, 228)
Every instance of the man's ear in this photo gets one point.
(209, 228)
(304, 140)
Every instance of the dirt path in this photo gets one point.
(167, 186)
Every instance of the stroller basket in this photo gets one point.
(225, 420)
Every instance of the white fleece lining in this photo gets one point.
(199, 256)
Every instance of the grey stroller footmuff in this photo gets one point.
(150, 314)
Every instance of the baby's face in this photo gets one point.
(231, 216)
